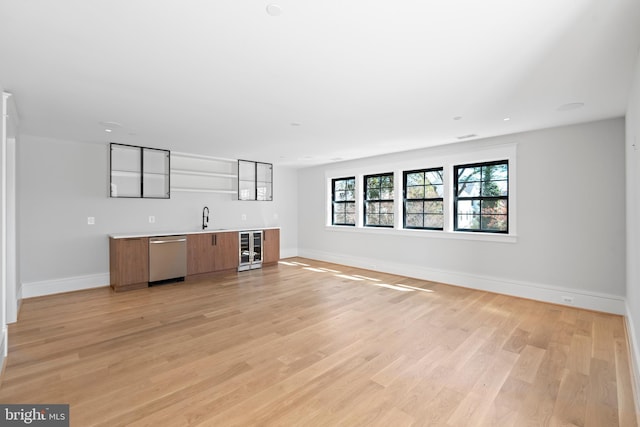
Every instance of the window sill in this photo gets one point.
(430, 234)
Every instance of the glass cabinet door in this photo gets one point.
(246, 180)
(155, 176)
(139, 172)
(126, 171)
(255, 180)
(264, 184)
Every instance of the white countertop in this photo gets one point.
(180, 233)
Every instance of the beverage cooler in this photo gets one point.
(250, 250)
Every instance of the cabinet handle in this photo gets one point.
(155, 242)
(212, 243)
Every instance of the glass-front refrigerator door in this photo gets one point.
(257, 248)
(245, 251)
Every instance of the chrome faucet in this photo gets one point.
(205, 217)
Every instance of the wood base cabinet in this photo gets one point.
(129, 263)
(271, 246)
(211, 252)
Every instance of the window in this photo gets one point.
(481, 197)
(378, 200)
(423, 199)
(343, 196)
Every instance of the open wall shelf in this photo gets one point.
(203, 174)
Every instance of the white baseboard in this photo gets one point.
(69, 284)
(288, 253)
(541, 292)
(635, 355)
(3, 348)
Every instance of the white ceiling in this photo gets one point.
(324, 80)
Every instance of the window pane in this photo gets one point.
(415, 178)
(494, 207)
(339, 185)
(350, 207)
(468, 206)
(494, 188)
(386, 194)
(372, 219)
(433, 207)
(373, 194)
(373, 182)
(434, 191)
(434, 177)
(386, 181)
(415, 192)
(339, 208)
(471, 189)
(372, 207)
(469, 221)
(386, 219)
(414, 220)
(469, 174)
(414, 207)
(351, 219)
(494, 222)
(386, 207)
(350, 195)
(338, 218)
(496, 172)
(434, 221)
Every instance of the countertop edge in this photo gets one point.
(179, 233)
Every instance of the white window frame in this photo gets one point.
(447, 162)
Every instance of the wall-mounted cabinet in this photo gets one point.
(139, 172)
(255, 180)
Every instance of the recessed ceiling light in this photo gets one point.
(570, 106)
(274, 9)
(457, 118)
(108, 130)
(506, 119)
(471, 135)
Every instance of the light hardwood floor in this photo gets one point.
(308, 343)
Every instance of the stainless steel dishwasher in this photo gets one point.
(167, 258)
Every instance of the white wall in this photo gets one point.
(633, 215)
(570, 223)
(3, 254)
(61, 183)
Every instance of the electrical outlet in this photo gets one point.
(567, 300)
(91, 220)
(152, 219)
